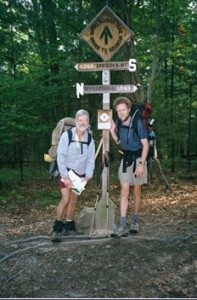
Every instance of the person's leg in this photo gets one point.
(136, 210)
(121, 230)
(137, 198)
(64, 202)
(137, 182)
(69, 224)
(124, 203)
(61, 209)
(124, 178)
(71, 208)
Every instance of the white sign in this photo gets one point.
(104, 119)
(100, 89)
(114, 66)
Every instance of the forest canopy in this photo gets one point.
(40, 46)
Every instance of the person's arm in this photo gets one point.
(145, 147)
(61, 156)
(113, 132)
(142, 162)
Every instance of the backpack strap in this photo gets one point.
(70, 136)
(132, 124)
(70, 139)
(89, 138)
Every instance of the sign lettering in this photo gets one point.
(100, 66)
(106, 33)
(100, 89)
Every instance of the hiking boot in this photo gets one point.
(134, 228)
(56, 237)
(70, 229)
(121, 231)
(57, 231)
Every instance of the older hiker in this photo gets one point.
(133, 167)
(77, 155)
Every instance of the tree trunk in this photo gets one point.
(189, 128)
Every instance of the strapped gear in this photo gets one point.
(65, 124)
(139, 111)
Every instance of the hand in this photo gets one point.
(139, 170)
(112, 127)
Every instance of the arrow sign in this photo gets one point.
(82, 89)
(100, 66)
(106, 34)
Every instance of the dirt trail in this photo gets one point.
(160, 262)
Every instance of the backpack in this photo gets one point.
(63, 125)
(141, 111)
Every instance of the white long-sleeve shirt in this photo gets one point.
(77, 156)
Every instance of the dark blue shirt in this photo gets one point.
(131, 141)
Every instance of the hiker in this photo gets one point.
(79, 157)
(133, 167)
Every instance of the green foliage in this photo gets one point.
(37, 190)
(40, 46)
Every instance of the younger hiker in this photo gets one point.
(78, 155)
(133, 167)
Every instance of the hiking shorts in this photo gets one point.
(129, 177)
(60, 184)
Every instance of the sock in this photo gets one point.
(69, 222)
(135, 218)
(123, 221)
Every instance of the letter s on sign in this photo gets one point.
(132, 65)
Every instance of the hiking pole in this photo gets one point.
(98, 149)
(107, 194)
(107, 218)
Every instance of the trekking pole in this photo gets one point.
(107, 195)
(107, 218)
(98, 149)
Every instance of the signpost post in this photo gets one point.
(106, 34)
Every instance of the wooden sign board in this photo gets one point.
(106, 34)
(104, 119)
(129, 65)
(101, 89)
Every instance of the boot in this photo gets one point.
(57, 231)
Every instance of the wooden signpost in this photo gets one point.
(106, 34)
